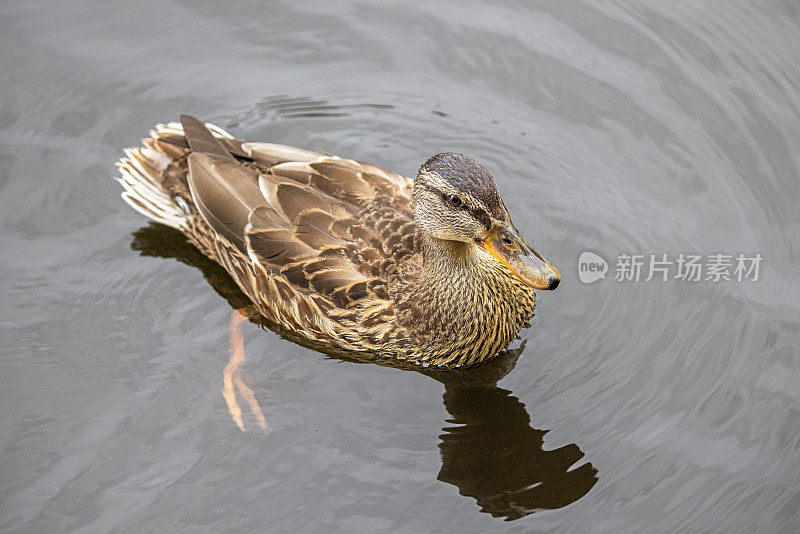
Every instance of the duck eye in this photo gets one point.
(453, 200)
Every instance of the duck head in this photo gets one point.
(455, 198)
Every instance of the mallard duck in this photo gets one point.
(345, 254)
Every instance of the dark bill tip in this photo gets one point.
(553, 282)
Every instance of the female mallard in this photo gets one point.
(346, 254)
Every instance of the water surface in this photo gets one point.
(613, 127)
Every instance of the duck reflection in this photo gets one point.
(489, 449)
(491, 453)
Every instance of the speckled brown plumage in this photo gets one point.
(330, 248)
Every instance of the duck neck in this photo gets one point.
(447, 263)
(463, 307)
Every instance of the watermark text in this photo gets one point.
(716, 267)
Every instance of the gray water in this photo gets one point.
(611, 127)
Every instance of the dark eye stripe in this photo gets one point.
(483, 217)
(480, 214)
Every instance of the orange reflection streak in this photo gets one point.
(232, 380)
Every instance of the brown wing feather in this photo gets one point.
(347, 180)
(269, 154)
(314, 227)
(225, 192)
(200, 139)
(270, 239)
(331, 227)
(333, 200)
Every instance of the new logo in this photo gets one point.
(591, 267)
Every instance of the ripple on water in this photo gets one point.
(614, 127)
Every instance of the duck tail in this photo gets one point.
(154, 175)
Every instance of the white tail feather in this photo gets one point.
(140, 171)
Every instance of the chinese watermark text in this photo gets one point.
(664, 267)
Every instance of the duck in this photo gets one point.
(347, 255)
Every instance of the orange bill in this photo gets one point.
(518, 256)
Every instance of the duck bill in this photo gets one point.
(520, 258)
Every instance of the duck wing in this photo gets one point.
(326, 225)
